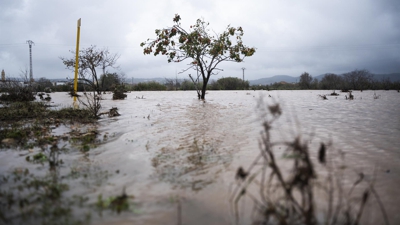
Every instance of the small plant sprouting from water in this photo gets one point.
(323, 97)
(376, 96)
(351, 96)
(289, 196)
(117, 204)
(50, 153)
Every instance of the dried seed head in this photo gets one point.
(275, 110)
(321, 153)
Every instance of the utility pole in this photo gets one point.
(77, 61)
(176, 81)
(3, 76)
(30, 43)
(243, 77)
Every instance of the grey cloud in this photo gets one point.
(290, 37)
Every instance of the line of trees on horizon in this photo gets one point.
(354, 80)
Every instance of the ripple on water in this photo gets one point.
(171, 144)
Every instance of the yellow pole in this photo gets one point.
(77, 61)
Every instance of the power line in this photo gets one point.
(70, 45)
(260, 49)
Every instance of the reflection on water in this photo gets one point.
(197, 157)
(169, 145)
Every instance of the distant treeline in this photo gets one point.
(109, 82)
(354, 80)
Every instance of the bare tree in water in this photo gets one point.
(91, 61)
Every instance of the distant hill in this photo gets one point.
(144, 80)
(277, 78)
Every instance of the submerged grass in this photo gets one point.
(33, 198)
(29, 124)
(38, 110)
(45, 197)
(30, 199)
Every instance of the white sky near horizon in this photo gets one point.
(291, 37)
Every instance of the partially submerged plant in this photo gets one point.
(288, 196)
(334, 93)
(117, 204)
(351, 96)
(111, 113)
(48, 154)
(119, 92)
(323, 97)
(91, 103)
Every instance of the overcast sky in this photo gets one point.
(291, 37)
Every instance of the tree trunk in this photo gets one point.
(203, 91)
(204, 88)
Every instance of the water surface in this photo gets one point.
(178, 155)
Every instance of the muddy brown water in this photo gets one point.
(178, 156)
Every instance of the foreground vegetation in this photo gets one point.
(305, 192)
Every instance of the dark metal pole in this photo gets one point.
(30, 60)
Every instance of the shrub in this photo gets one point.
(119, 92)
(16, 92)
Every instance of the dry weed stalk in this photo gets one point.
(92, 103)
(283, 196)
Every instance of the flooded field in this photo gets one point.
(176, 157)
